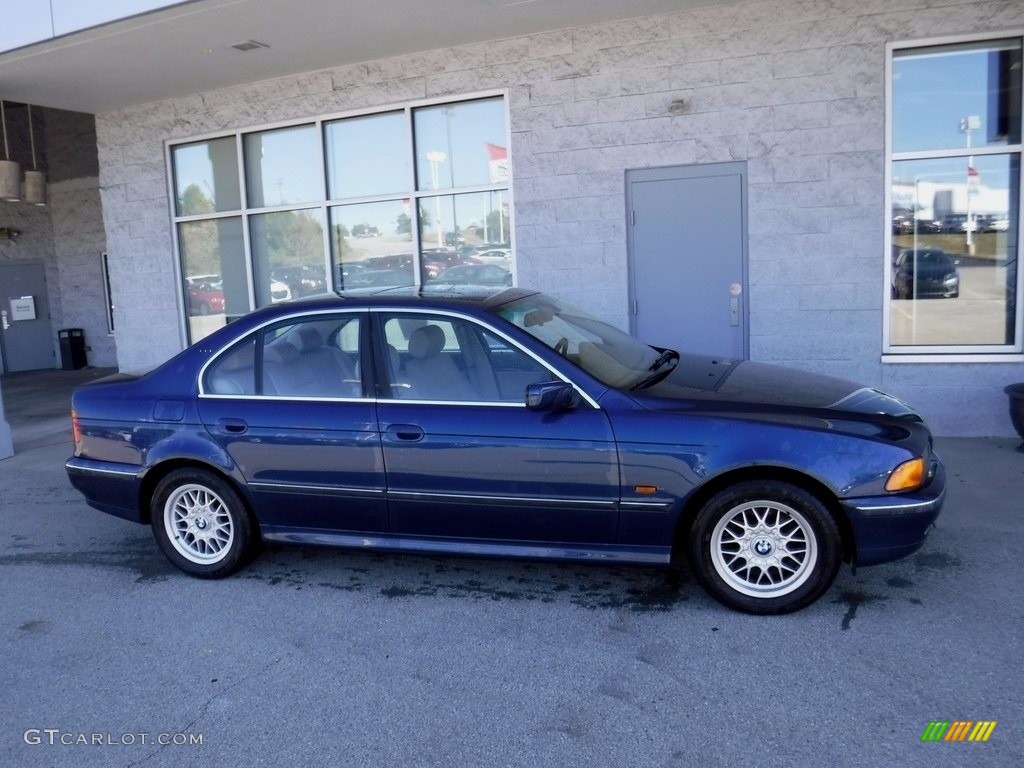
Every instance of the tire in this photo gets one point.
(773, 515)
(201, 523)
(204, 308)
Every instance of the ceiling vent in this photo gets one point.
(250, 45)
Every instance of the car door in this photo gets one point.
(289, 404)
(466, 459)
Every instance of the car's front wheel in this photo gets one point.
(201, 523)
(765, 547)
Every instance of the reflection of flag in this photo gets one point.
(973, 180)
(497, 157)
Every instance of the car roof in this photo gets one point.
(448, 295)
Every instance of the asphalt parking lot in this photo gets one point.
(326, 657)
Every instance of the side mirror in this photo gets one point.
(551, 396)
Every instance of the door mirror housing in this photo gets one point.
(551, 396)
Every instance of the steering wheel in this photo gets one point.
(562, 346)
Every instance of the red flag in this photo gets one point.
(495, 152)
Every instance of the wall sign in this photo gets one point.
(23, 308)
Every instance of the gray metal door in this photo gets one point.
(25, 332)
(688, 257)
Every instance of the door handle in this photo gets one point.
(232, 426)
(407, 433)
(734, 311)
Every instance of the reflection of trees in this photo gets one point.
(194, 203)
(201, 247)
(342, 249)
(403, 224)
(199, 239)
(497, 227)
(293, 239)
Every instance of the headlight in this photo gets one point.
(907, 476)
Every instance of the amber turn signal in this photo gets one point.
(907, 476)
(76, 432)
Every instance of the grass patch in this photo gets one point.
(990, 245)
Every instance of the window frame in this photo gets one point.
(257, 336)
(325, 203)
(108, 293)
(934, 353)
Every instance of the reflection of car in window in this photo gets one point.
(205, 294)
(924, 272)
(303, 280)
(279, 291)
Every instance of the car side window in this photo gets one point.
(234, 372)
(455, 360)
(315, 357)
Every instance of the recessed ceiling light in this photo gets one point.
(250, 45)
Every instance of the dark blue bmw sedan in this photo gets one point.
(505, 424)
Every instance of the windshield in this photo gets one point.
(603, 351)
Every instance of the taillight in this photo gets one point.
(76, 432)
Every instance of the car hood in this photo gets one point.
(743, 382)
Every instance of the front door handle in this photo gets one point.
(232, 426)
(407, 433)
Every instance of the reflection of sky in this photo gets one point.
(933, 92)
(283, 167)
(193, 164)
(461, 132)
(368, 155)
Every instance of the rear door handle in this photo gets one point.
(232, 426)
(407, 433)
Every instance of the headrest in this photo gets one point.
(426, 341)
(281, 352)
(240, 359)
(306, 338)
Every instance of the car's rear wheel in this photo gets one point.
(201, 523)
(765, 547)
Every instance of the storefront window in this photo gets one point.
(288, 255)
(361, 156)
(282, 167)
(215, 283)
(255, 235)
(206, 177)
(954, 232)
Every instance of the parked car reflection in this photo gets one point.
(205, 294)
(924, 272)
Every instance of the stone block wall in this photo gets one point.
(793, 87)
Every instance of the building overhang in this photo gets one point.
(188, 47)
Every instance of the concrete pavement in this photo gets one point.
(317, 657)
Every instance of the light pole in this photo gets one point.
(435, 159)
(968, 125)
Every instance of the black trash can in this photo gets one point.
(1016, 393)
(72, 348)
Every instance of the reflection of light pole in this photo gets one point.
(435, 158)
(968, 125)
